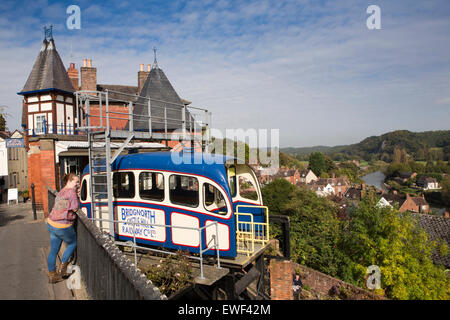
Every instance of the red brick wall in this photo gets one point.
(322, 283)
(88, 78)
(281, 277)
(34, 175)
(42, 171)
(115, 124)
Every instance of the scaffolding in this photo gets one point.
(98, 117)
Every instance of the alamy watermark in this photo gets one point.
(239, 146)
(374, 279)
(374, 20)
(74, 20)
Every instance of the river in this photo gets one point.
(375, 179)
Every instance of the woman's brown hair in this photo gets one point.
(69, 177)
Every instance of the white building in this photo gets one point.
(3, 168)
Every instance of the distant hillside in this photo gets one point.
(289, 161)
(428, 145)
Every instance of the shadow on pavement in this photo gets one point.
(6, 218)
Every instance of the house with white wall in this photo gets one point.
(3, 168)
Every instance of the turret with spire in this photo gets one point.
(48, 93)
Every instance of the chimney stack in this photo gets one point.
(88, 76)
(72, 72)
(142, 76)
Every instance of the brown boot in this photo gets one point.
(63, 270)
(54, 277)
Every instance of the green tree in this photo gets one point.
(314, 231)
(394, 242)
(397, 156)
(445, 184)
(276, 194)
(317, 163)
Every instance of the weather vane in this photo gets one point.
(155, 62)
(48, 32)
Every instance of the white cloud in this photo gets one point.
(312, 70)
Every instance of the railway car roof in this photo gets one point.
(204, 164)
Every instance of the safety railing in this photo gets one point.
(45, 127)
(171, 120)
(249, 232)
(207, 246)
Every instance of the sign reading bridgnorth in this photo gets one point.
(15, 143)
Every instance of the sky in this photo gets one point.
(311, 69)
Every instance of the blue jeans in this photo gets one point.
(57, 236)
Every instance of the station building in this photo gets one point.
(53, 142)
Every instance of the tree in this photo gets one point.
(3, 115)
(394, 242)
(403, 156)
(276, 194)
(445, 184)
(397, 156)
(314, 231)
(317, 163)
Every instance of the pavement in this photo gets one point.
(24, 246)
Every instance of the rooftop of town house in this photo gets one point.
(437, 228)
(48, 72)
(332, 181)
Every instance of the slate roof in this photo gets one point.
(353, 193)
(332, 181)
(437, 228)
(48, 72)
(419, 201)
(162, 94)
(394, 198)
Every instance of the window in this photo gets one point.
(123, 184)
(183, 190)
(247, 188)
(151, 186)
(40, 122)
(213, 200)
(232, 180)
(83, 193)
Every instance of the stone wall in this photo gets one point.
(323, 284)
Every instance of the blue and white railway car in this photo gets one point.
(151, 188)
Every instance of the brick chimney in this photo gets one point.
(73, 75)
(88, 76)
(281, 276)
(142, 76)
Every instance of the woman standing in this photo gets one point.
(60, 227)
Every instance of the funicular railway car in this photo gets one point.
(153, 189)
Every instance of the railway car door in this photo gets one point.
(245, 188)
(251, 216)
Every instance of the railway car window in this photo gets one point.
(214, 200)
(232, 180)
(183, 190)
(247, 189)
(151, 186)
(123, 184)
(83, 193)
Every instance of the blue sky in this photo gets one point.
(309, 68)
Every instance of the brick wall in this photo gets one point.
(88, 78)
(281, 273)
(322, 283)
(115, 124)
(42, 171)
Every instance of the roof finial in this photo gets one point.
(155, 63)
(48, 32)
